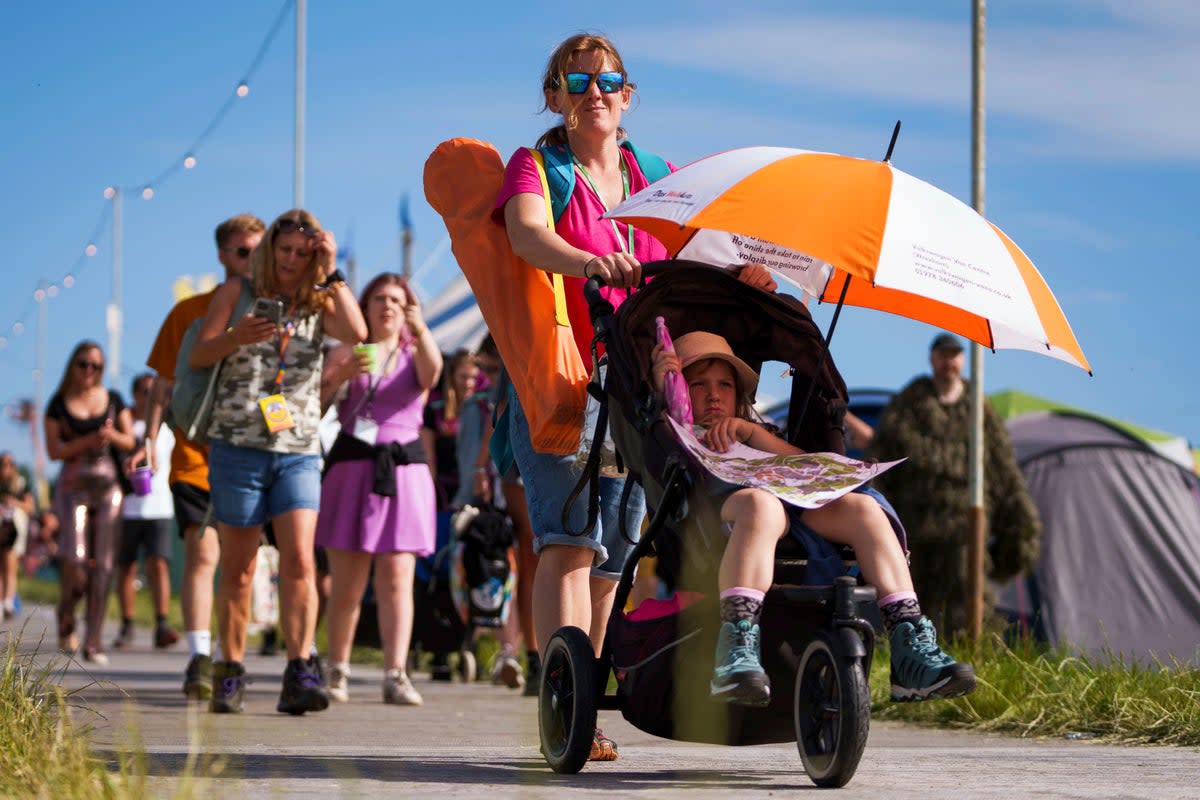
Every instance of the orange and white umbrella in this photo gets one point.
(817, 219)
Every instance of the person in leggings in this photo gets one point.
(86, 427)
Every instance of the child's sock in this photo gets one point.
(741, 602)
(199, 643)
(160, 620)
(899, 607)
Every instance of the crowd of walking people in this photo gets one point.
(292, 345)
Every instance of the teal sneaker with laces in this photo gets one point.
(738, 676)
(921, 670)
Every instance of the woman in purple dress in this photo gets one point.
(378, 505)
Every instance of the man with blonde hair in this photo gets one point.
(236, 239)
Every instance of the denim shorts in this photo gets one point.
(549, 480)
(250, 486)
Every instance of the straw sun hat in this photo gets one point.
(702, 345)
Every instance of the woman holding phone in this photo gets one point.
(385, 511)
(264, 461)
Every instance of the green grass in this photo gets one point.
(44, 748)
(1028, 690)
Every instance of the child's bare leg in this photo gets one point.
(857, 520)
(759, 522)
(747, 569)
(921, 670)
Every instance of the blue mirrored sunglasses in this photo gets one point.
(606, 82)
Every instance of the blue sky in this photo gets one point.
(1091, 149)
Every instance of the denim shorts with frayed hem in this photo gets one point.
(549, 480)
(250, 486)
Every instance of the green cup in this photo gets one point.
(369, 350)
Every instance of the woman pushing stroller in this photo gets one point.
(720, 386)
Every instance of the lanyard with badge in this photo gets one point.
(622, 244)
(274, 407)
(365, 428)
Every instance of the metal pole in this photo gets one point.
(298, 165)
(39, 398)
(114, 308)
(977, 520)
(406, 239)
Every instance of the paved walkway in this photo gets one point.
(481, 741)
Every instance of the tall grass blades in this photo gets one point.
(43, 753)
(1028, 690)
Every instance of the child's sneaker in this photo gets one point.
(739, 676)
(921, 670)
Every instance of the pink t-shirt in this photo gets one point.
(581, 225)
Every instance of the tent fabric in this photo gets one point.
(454, 317)
(1119, 569)
(1012, 403)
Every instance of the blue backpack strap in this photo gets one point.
(560, 172)
(560, 175)
(652, 166)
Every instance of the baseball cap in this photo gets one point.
(946, 341)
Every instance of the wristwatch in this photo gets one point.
(333, 280)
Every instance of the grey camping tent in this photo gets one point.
(1119, 570)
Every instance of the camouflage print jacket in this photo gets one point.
(248, 375)
(930, 490)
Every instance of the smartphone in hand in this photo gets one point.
(268, 309)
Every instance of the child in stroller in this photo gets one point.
(719, 386)
(815, 647)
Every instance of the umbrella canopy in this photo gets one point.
(817, 219)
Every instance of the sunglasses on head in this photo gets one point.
(83, 363)
(606, 82)
(290, 225)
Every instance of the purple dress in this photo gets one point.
(352, 516)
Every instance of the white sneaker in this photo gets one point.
(506, 670)
(337, 683)
(398, 689)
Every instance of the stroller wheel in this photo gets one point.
(832, 712)
(567, 700)
(468, 669)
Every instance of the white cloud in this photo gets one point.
(1123, 90)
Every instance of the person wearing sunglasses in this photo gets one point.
(236, 239)
(86, 426)
(586, 83)
(264, 451)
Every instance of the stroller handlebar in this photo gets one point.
(598, 305)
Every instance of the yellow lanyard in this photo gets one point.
(627, 247)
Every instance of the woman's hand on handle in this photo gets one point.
(620, 270)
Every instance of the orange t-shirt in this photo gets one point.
(189, 461)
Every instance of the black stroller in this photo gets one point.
(816, 648)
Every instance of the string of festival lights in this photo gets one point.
(47, 288)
